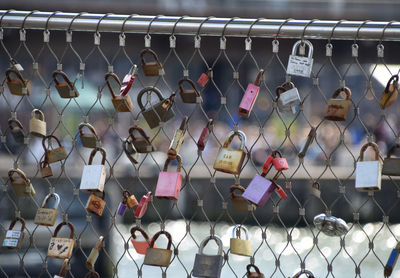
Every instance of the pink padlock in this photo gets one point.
(140, 243)
(204, 78)
(169, 183)
(280, 162)
(142, 207)
(128, 81)
(201, 143)
(250, 96)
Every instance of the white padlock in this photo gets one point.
(300, 65)
(94, 176)
(287, 98)
(368, 173)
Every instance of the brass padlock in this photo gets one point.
(189, 95)
(391, 165)
(307, 273)
(159, 256)
(65, 88)
(121, 103)
(13, 239)
(231, 160)
(256, 274)
(94, 176)
(18, 86)
(96, 204)
(94, 254)
(150, 68)
(56, 154)
(238, 202)
(390, 93)
(240, 246)
(22, 186)
(37, 126)
(338, 109)
(131, 201)
(208, 265)
(17, 130)
(89, 140)
(142, 143)
(177, 140)
(60, 247)
(47, 216)
(45, 169)
(159, 112)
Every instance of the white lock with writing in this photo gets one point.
(300, 65)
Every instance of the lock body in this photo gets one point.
(368, 175)
(67, 90)
(142, 206)
(60, 248)
(280, 163)
(207, 265)
(22, 188)
(389, 96)
(338, 109)
(19, 88)
(151, 68)
(95, 205)
(157, 257)
(189, 96)
(13, 239)
(203, 139)
(229, 160)
(240, 247)
(93, 178)
(259, 190)
(141, 244)
(122, 103)
(121, 209)
(248, 100)
(299, 65)
(157, 114)
(391, 166)
(56, 154)
(89, 140)
(203, 80)
(37, 127)
(18, 135)
(45, 170)
(288, 99)
(168, 185)
(239, 203)
(142, 145)
(46, 216)
(132, 202)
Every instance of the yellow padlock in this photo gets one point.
(231, 160)
(390, 93)
(56, 154)
(159, 256)
(240, 246)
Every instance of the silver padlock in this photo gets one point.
(208, 265)
(287, 97)
(94, 176)
(330, 225)
(300, 65)
(369, 173)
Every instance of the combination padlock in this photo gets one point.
(150, 68)
(65, 88)
(13, 238)
(96, 204)
(37, 124)
(60, 247)
(287, 97)
(17, 130)
(56, 154)
(250, 96)
(90, 139)
(300, 65)
(391, 92)
(338, 109)
(169, 183)
(18, 86)
(205, 134)
(47, 216)
(191, 95)
(121, 103)
(368, 173)
(231, 160)
(177, 139)
(94, 176)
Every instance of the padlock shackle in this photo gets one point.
(140, 130)
(47, 198)
(274, 153)
(18, 74)
(308, 273)
(282, 88)
(207, 239)
(236, 187)
(392, 150)
(178, 158)
(93, 153)
(63, 270)
(125, 196)
(249, 266)
(90, 127)
(395, 80)
(107, 79)
(346, 90)
(45, 162)
(64, 76)
(15, 220)
(38, 113)
(155, 237)
(150, 52)
(236, 231)
(65, 223)
(316, 185)
(191, 83)
(232, 134)
(297, 45)
(364, 148)
(145, 90)
(92, 274)
(143, 232)
(259, 78)
(49, 137)
(17, 122)
(20, 173)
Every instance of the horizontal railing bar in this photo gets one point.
(239, 27)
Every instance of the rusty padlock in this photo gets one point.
(390, 93)
(96, 204)
(177, 140)
(251, 274)
(60, 247)
(159, 112)
(47, 216)
(307, 273)
(150, 68)
(238, 202)
(208, 265)
(56, 154)
(287, 97)
(368, 173)
(338, 109)
(121, 103)
(94, 254)
(142, 242)
(159, 256)
(391, 165)
(240, 246)
(17, 130)
(250, 96)
(37, 126)
(65, 88)
(13, 238)
(231, 160)
(91, 139)
(169, 183)
(142, 143)
(191, 95)
(45, 169)
(18, 86)
(22, 186)
(94, 176)
(205, 134)
(63, 270)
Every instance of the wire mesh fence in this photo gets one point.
(84, 92)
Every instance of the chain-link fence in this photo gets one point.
(229, 53)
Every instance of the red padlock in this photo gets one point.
(141, 242)
(267, 164)
(128, 81)
(279, 190)
(142, 207)
(204, 78)
(201, 143)
(280, 162)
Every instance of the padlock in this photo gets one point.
(94, 254)
(159, 112)
(287, 97)
(256, 274)
(140, 243)
(131, 201)
(89, 140)
(158, 256)
(300, 65)
(45, 169)
(130, 151)
(37, 126)
(150, 68)
(307, 273)
(142, 207)
(92, 274)
(390, 93)
(177, 139)
(47, 216)
(338, 109)
(60, 247)
(18, 86)
(96, 204)
(204, 78)
(205, 134)
(310, 138)
(208, 265)
(391, 262)
(94, 176)
(63, 270)
(250, 96)
(240, 246)
(169, 183)
(368, 173)
(189, 95)
(330, 225)
(231, 160)
(121, 103)
(391, 165)
(65, 88)
(17, 130)
(280, 162)
(22, 186)
(127, 82)
(128, 200)
(316, 189)
(142, 143)
(238, 202)
(53, 155)
(14, 239)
